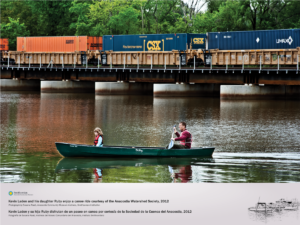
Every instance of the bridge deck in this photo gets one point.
(286, 75)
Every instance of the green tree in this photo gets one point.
(126, 22)
(180, 26)
(42, 18)
(204, 23)
(18, 10)
(97, 18)
(53, 18)
(271, 14)
(289, 16)
(213, 5)
(296, 25)
(158, 12)
(80, 10)
(229, 17)
(12, 30)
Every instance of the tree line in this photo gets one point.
(113, 17)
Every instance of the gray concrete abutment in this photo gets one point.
(260, 92)
(19, 85)
(67, 86)
(186, 90)
(123, 88)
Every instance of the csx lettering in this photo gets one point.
(153, 45)
(198, 41)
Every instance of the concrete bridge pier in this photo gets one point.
(123, 88)
(67, 86)
(19, 85)
(259, 92)
(186, 90)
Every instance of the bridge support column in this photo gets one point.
(67, 87)
(186, 90)
(19, 85)
(120, 88)
(259, 92)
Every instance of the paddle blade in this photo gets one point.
(171, 144)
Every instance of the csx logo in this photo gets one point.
(153, 45)
(198, 41)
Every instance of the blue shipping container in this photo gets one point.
(262, 39)
(153, 42)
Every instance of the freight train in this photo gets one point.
(268, 47)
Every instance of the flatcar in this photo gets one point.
(273, 47)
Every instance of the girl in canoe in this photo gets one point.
(98, 137)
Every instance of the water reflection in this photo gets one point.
(179, 168)
(98, 175)
(255, 141)
(84, 163)
(261, 126)
(182, 174)
(33, 122)
(224, 167)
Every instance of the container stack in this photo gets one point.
(153, 42)
(253, 40)
(59, 44)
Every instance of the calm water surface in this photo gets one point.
(256, 141)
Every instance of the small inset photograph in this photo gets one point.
(275, 211)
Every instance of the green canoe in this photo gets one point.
(74, 150)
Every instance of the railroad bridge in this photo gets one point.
(160, 81)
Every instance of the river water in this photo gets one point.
(255, 140)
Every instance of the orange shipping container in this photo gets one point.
(4, 44)
(94, 43)
(59, 44)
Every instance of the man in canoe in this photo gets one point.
(98, 137)
(185, 137)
